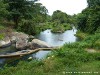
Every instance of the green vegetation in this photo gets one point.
(61, 21)
(81, 35)
(2, 29)
(5, 31)
(1, 36)
(31, 17)
(22, 14)
(60, 17)
(28, 15)
(88, 20)
(71, 57)
(61, 28)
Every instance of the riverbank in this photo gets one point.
(81, 35)
(71, 57)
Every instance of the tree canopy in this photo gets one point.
(88, 20)
(25, 9)
(60, 16)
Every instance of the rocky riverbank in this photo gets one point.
(21, 41)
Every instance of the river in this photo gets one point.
(53, 39)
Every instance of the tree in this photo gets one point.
(3, 11)
(18, 9)
(90, 17)
(93, 3)
(60, 16)
(39, 12)
(25, 9)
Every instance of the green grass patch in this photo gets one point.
(1, 36)
(2, 28)
(81, 35)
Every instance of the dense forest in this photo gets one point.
(90, 17)
(31, 17)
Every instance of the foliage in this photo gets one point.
(88, 20)
(1, 36)
(30, 14)
(92, 3)
(2, 28)
(3, 11)
(3, 14)
(27, 12)
(81, 35)
(30, 17)
(60, 16)
(26, 26)
(60, 28)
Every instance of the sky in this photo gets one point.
(69, 6)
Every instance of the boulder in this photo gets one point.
(13, 39)
(5, 42)
(15, 36)
(21, 44)
(21, 40)
(39, 44)
(31, 37)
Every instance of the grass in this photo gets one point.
(2, 34)
(81, 35)
(71, 57)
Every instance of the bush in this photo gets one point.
(60, 28)
(27, 27)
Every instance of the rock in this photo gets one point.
(39, 44)
(5, 42)
(31, 37)
(2, 43)
(13, 39)
(60, 39)
(21, 40)
(30, 58)
(21, 44)
(15, 36)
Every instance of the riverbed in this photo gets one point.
(53, 39)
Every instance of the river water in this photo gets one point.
(53, 39)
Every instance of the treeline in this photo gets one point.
(61, 17)
(61, 21)
(27, 15)
(89, 20)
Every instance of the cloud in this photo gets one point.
(69, 6)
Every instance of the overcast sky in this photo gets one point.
(69, 6)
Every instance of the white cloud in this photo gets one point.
(69, 6)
